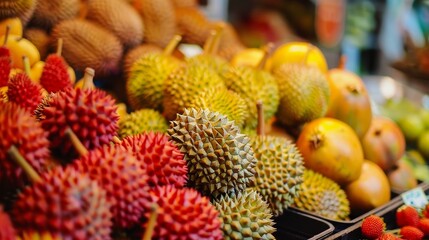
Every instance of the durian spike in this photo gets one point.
(88, 79)
(168, 50)
(209, 42)
(260, 130)
(342, 62)
(59, 46)
(14, 153)
(151, 222)
(6, 35)
(115, 139)
(77, 144)
(214, 48)
(26, 63)
(267, 51)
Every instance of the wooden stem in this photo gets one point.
(13, 153)
(151, 222)
(209, 42)
(77, 144)
(216, 40)
(342, 62)
(88, 79)
(267, 50)
(26, 63)
(260, 130)
(6, 35)
(60, 46)
(172, 45)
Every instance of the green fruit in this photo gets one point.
(322, 196)
(412, 126)
(279, 171)
(145, 85)
(254, 85)
(424, 115)
(423, 144)
(143, 120)
(304, 93)
(220, 159)
(223, 101)
(246, 216)
(184, 84)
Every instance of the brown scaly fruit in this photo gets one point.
(159, 20)
(17, 8)
(82, 46)
(49, 13)
(123, 178)
(193, 25)
(40, 38)
(185, 3)
(18, 127)
(230, 43)
(194, 216)
(161, 159)
(136, 53)
(7, 231)
(119, 18)
(64, 203)
(143, 120)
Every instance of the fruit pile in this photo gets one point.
(412, 224)
(201, 148)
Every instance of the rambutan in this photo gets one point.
(24, 92)
(7, 231)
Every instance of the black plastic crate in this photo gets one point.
(293, 225)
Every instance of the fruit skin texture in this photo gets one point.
(322, 196)
(91, 114)
(39, 236)
(5, 66)
(349, 100)
(424, 225)
(24, 92)
(19, 128)
(407, 216)
(143, 120)
(245, 216)
(425, 211)
(20, 47)
(7, 232)
(402, 177)
(40, 38)
(159, 157)
(370, 190)
(304, 93)
(384, 143)
(184, 214)
(49, 13)
(220, 159)
(65, 203)
(123, 178)
(388, 236)
(193, 25)
(279, 171)
(331, 148)
(15, 25)
(54, 76)
(411, 233)
(13, 8)
(373, 227)
(136, 53)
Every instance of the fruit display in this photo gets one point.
(112, 130)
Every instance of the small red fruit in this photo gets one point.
(426, 211)
(424, 225)
(411, 233)
(407, 216)
(387, 236)
(373, 227)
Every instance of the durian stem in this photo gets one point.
(26, 63)
(60, 46)
(115, 139)
(214, 48)
(168, 50)
(260, 130)
(209, 42)
(267, 50)
(6, 35)
(88, 79)
(151, 222)
(13, 153)
(77, 144)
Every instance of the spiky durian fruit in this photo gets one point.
(254, 85)
(223, 101)
(143, 120)
(123, 178)
(193, 25)
(48, 13)
(119, 18)
(159, 20)
(279, 171)
(65, 203)
(246, 216)
(55, 76)
(82, 46)
(162, 160)
(16, 8)
(184, 84)
(145, 85)
(322, 196)
(184, 214)
(40, 38)
(220, 159)
(136, 53)
(7, 231)
(24, 92)
(91, 114)
(19, 128)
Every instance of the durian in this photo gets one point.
(140, 121)
(48, 13)
(246, 216)
(220, 159)
(137, 52)
(193, 25)
(322, 196)
(16, 8)
(185, 3)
